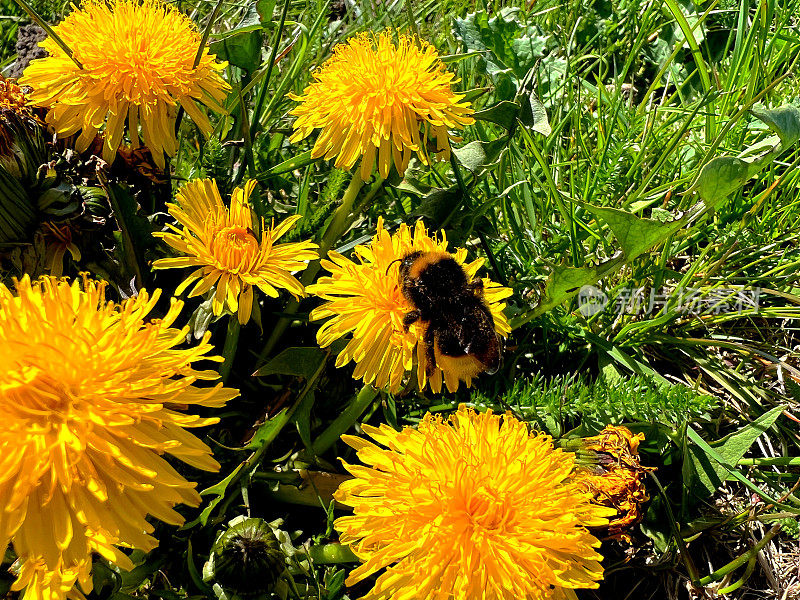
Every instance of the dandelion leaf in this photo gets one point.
(564, 282)
(709, 474)
(265, 8)
(723, 175)
(507, 42)
(242, 45)
(533, 115)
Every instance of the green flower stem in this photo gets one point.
(340, 223)
(345, 421)
(720, 573)
(782, 461)
(331, 554)
(229, 350)
(262, 94)
(342, 218)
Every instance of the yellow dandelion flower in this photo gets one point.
(222, 245)
(89, 398)
(137, 65)
(364, 299)
(380, 100)
(474, 508)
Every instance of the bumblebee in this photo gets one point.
(459, 328)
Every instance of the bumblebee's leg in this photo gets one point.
(410, 319)
(430, 355)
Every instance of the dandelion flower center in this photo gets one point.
(486, 510)
(234, 246)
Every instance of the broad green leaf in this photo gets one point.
(242, 49)
(636, 235)
(439, 203)
(241, 46)
(296, 361)
(414, 186)
(265, 8)
(711, 473)
(504, 113)
(506, 42)
(722, 176)
(784, 120)
(533, 115)
(564, 281)
(478, 156)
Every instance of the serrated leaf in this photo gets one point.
(296, 361)
(710, 474)
(506, 42)
(218, 492)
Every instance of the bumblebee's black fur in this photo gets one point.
(458, 319)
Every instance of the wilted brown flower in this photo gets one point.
(616, 480)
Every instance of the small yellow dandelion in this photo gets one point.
(365, 300)
(137, 65)
(89, 399)
(474, 508)
(381, 101)
(223, 246)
